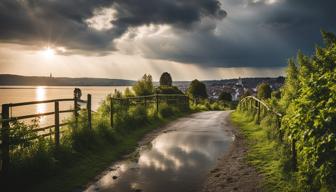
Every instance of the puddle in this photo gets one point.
(176, 160)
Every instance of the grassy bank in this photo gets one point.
(265, 153)
(83, 153)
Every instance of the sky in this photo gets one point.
(203, 39)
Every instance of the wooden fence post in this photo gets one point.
(111, 112)
(5, 140)
(258, 112)
(88, 108)
(157, 104)
(145, 102)
(57, 125)
(76, 111)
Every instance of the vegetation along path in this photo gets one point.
(176, 158)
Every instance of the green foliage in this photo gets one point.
(246, 94)
(311, 119)
(128, 92)
(144, 86)
(276, 94)
(308, 100)
(308, 104)
(166, 79)
(225, 97)
(163, 89)
(268, 156)
(197, 90)
(83, 152)
(165, 111)
(264, 91)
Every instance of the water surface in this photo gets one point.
(15, 94)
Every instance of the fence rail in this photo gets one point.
(54, 130)
(178, 99)
(253, 104)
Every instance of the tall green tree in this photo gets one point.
(264, 91)
(128, 92)
(197, 90)
(166, 79)
(311, 119)
(144, 86)
(289, 90)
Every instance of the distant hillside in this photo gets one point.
(7, 79)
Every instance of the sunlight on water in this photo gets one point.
(40, 95)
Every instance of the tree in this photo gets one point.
(166, 79)
(144, 86)
(310, 119)
(197, 90)
(264, 91)
(289, 90)
(225, 97)
(128, 92)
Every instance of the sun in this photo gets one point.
(48, 52)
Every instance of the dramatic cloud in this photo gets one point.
(93, 25)
(256, 33)
(248, 34)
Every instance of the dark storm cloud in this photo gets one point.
(63, 21)
(255, 34)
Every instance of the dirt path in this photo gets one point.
(176, 157)
(232, 173)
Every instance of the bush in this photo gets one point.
(165, 110)
(138, 115)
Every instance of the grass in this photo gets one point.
(83, 153)
(95, 161)
(265, 153)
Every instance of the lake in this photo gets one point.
(15, 94)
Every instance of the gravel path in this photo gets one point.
(232, 172)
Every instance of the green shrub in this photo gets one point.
(138, 115)
(165, 111)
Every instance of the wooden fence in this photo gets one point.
(171, 99)
(256, 106)
(54, 130)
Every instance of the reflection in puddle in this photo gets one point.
(176, 161)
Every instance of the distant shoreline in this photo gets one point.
(17, 80)
(54, 86)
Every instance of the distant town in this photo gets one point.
(236, 87)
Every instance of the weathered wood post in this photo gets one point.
(145, 102)
(77, 95)
(5, 141)
(111, 112)
(258, 112)
(157, 104)
(89, 111)
(57, 125)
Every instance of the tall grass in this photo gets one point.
(266, 153)
(83, 152)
